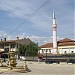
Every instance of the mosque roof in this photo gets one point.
(63, 42)
(48, 45)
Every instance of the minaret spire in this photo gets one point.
(54, 19)
(53, 14)
(54, 28)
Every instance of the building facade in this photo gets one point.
(64, 46)
(12, 45)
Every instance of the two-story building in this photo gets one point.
(12, 45)
(64, 46)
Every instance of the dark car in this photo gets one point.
(71, 61)
(52, 61)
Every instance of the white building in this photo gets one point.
(12, 45)
(64, 46)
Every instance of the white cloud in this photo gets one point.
(16, 8)
(4, 35)
(19, 8)
(43, 18)
(23, 9)
(40, 39)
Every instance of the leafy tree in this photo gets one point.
(29, 50)
(22, 49)
(33, 49)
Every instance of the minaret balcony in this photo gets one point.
(54, 26)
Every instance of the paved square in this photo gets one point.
(46, 69)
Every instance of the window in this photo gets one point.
(42, 51)
(6, 49)
(72, 52)
(46, 50)
(1, 46)
(6, 44)
(12, 45)
(49, 50)
(65, 52)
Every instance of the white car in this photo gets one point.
(22, 58)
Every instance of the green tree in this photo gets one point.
(29, 50)
(33, 49)
(22, 49)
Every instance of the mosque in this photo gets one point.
(64, 46)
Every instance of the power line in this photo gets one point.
(27, 19)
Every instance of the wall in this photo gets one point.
(61, 49)
(68, 49)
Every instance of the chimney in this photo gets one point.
(17, 38)
(1, 39)
(4, 39)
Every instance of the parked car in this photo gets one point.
(22, 58)
(71, 61)
(52, 61)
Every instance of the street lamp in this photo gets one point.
(4, 55)
(46, 55)
(25, 56)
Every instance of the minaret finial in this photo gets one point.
(53, 14)
(54, 19)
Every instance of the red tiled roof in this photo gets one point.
(48, 45)
(66, 40)
(21, 41)
(8, 41)
(66, 43)
(63, 42)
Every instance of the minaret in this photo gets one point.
(54, 28)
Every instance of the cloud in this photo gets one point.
(15, 8)
(24, 9)
(40, 39)
(4, 35)
(19, 8)
(42, 19)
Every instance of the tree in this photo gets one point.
(33, 49)
(22, 49)
(29, 50)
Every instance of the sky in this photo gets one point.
(33, 19)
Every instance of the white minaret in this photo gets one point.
(54, 28)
